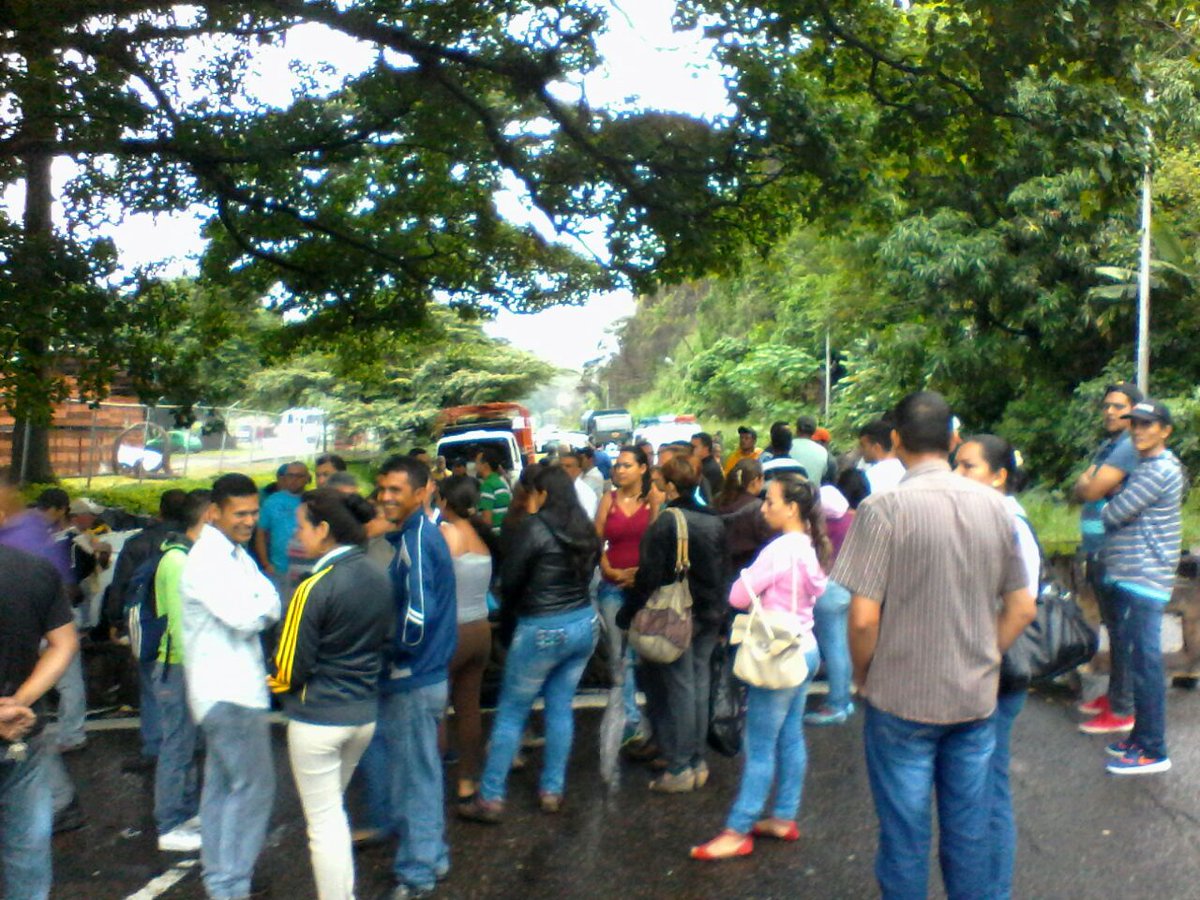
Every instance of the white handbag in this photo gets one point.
(771, 647)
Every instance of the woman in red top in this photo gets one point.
(624, 515)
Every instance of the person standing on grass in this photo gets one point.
(176, 781)
(227, 604)
(788, 575)
(1112, 463)
(1140, 557)
(326, 673)
(939, 551)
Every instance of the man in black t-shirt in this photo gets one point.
(33, 608)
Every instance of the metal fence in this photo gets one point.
(115, 438)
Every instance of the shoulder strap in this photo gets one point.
(682, 562)
(1041, 551)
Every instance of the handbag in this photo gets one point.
(771, 648)
(662, 629)
(1055, 642)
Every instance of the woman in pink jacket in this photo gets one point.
(787, 575)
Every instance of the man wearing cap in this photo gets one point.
(1140, 557)
(747, 438)
(1116, 458)
(815, 458)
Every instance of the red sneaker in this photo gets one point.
(1095, 706)
(1107, 723)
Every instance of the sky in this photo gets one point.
(647, 66)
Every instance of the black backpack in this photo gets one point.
(146, 626)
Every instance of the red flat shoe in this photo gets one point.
(704, 851)
(792, 833)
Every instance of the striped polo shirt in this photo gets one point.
(1144, 528)
(938, 552)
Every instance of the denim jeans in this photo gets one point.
(681, 699)
(1002, 825)
(62, 788)
(1141, 631)
(176, 785)
(372, 782)
(409, 722)
(149, 724)
(239, 789)
(906, 760)
(72, 704)
(775, 752)
(547, 656)
(610, 598)
(1112, 611)
(830, 617)
(25, 818)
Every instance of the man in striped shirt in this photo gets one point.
(1140, 559)
(938, 592)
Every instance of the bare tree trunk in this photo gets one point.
(31, 398)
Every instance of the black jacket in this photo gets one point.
(714, 478)
(541, 573)
(326, 669)
(709, 557)
(746, 532)
(133, 553)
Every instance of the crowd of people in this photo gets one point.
(367, 619)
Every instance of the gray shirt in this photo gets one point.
(938, 553)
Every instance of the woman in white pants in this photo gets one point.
(326, 673)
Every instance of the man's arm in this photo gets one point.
(863, 634)
(247, 602)
(1097, 482)
(260, 549)
(1142, 489)
(62, 643)
(1020, 608)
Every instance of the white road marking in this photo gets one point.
(156, 887)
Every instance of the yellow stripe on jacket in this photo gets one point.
(285, 654)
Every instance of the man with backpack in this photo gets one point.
(120, 598)
(227, 604)
(176, 785)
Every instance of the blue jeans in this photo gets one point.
(374, 779)
(72, 704)
(829, 625)
(409, 722)
(1111, 603)
(150, 724)
(547, 656)
(775, 752)
(610, 598)
(681, 693)
(1141, 631)
(25, 817)
(1002, 825)
(239, 789)
(176, 786)
(905, 761)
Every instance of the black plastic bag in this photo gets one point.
(1055, 642)
(726, 703)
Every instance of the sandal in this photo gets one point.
(489, 812)
(707, 852)
(550, 803)
(763, 829)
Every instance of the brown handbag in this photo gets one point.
(662, 629)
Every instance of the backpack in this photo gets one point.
(146, 626)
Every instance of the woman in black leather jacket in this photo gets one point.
(677, 693)
(546, 609)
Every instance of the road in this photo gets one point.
(1083, 833)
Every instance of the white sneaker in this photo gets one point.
(179, 840)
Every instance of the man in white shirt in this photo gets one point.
(592, 476)
(884, 470)
(573, 466)
(227, 603)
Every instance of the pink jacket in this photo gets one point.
(785, 576)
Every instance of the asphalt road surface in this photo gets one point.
(1083, 833)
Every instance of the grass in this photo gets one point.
(1057, 523)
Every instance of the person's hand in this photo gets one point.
(625, 577)
(16, 721)
(269, 569)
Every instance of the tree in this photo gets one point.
(395, 383)
(366, 198)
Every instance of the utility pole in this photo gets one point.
(1143, 311)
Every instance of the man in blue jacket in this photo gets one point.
(415, 676)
